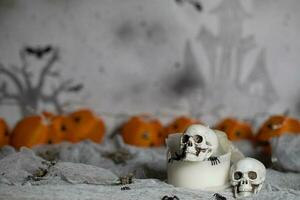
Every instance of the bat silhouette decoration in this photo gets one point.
(38, 52)
(197, 5)
(75, 88)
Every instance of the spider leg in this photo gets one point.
(214, 160)
(219, 197)
(165, 197)
(175, 197)
(211, 160)
(177, 156)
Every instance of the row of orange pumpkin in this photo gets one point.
(146, 131)
(48, 128)
(142, 130)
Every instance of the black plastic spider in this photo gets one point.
(128, 179)
(214, 160)
(170, 198)
(125, 188)
(177, 156)
(219, 197)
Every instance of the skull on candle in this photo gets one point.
(198, 143)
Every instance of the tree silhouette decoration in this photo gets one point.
(27, 95)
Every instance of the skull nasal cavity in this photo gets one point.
(189, 143)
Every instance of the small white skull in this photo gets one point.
(247, 177)
(198, 143)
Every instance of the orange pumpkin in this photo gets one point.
(30, 131)
(59, 128)
(85, 125)
(235, 129)
(277, 125)
(142, 131)
(273, 127)
(4, 133)
(159, 132)
(98, 131)
(179, 125)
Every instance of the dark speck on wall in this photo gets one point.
(177, 65)
(33, 16)
(143, 23)
(130, 31)
(186, 83)
(97, 15)
(126, 32)
(155, 33)
(189, 77)
(102, 70)
(138, 88)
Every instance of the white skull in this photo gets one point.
(247, 177)
(198, 143)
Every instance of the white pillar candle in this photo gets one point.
(197, 174)
(200, 175)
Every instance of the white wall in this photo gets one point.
(126, 52)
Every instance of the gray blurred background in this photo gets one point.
(123, 57)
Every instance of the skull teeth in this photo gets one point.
(243, 189)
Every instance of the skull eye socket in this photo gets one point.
(198, 138)
(237, 175)
(252, 175)
(185, 138)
